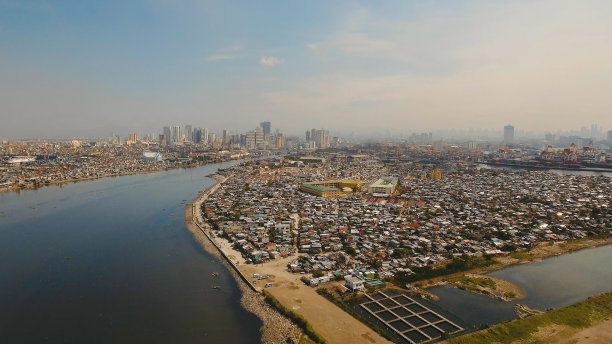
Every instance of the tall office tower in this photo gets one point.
(212, 137)
(226, 136)
(259, 136)
(167, 135)
(189, 132)
(308, 135)
(163, 141)
(205, 135)
(132, 139)
(197, 135)
(609, 137)
(280, 141)
(255, 138)
(267, 127)
(177, 135)
(508, 134)
(320, 138)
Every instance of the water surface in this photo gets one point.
(111, 261)
(552, 283)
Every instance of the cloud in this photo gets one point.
(269, 61)
(220, 57)
(476, 68)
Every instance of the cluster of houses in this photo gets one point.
(427, 220)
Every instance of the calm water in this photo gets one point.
(552, 283)
(560, 172)
(111, 261)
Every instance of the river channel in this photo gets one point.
(110, 261)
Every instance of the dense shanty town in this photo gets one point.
(354, 215)
(34, 164)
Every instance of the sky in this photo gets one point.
(97, 68)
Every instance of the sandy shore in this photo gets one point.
(276, 328)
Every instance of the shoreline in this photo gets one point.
(276, 328)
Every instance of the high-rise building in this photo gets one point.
(189, 132)
(177, 135)
(279, 140)
(132, 139)
(205, 135)
(167, 135)
(307, 135)
(609, 137)
(197, 135)
(163, 141)
(266, 127)
(320, 138)
(227, 136)
(255, 138)
(508, 134)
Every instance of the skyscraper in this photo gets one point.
(177, 135)
(508, 134)
(189, 132)
(267, 127)
(167, 135)
(609, 137)
(255, 138)
(197, 135)
(226, 137)
(205, 135)
(320, 138)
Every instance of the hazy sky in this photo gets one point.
(74, 68)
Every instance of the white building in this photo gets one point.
(151, 157)
(354, 283)
(383, 186)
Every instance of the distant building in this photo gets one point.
(266, 127)
(609, 137)
(509, 134)
(189, 132)
(312, 160)
(436, 174)
(255, 138)
(177, 135)
(133, 138)
(331, 188)
(384, 186)
(320, 138)
(167, 135)
(151, 156)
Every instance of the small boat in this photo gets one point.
(216, 287)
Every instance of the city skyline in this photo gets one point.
(73, 69)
